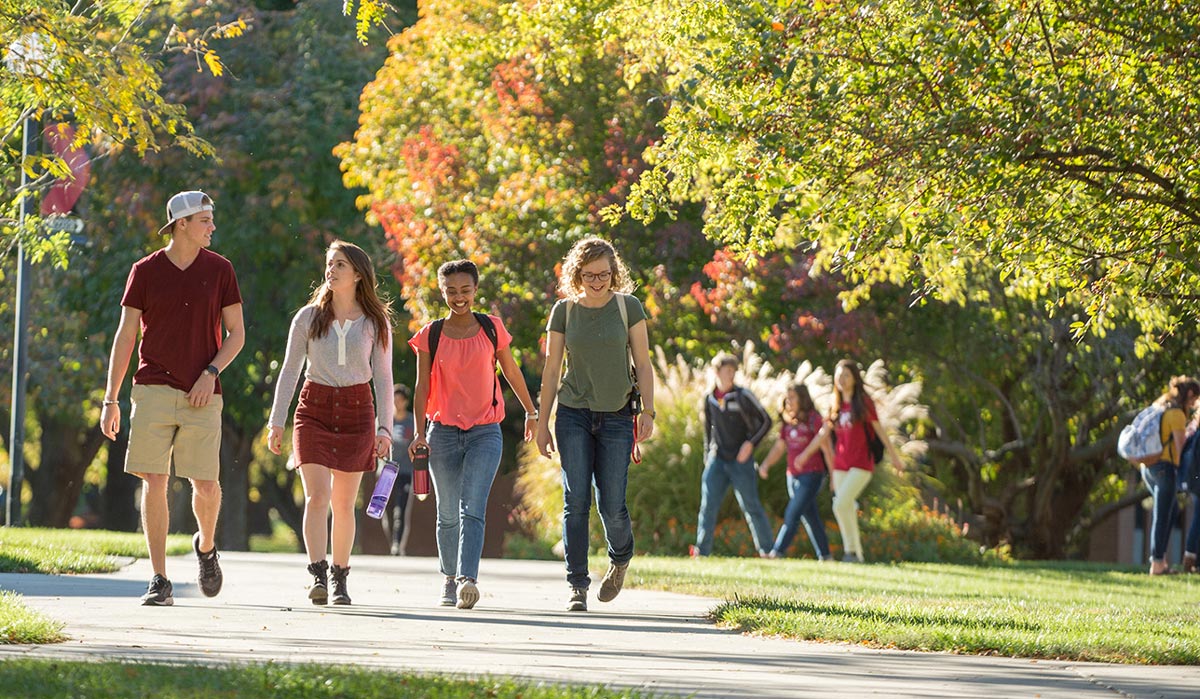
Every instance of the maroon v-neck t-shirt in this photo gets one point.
(181, 315)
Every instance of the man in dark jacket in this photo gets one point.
(734, 424)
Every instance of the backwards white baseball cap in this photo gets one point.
(186, 204)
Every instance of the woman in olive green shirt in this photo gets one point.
(599, 328)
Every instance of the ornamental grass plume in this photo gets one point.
(664, 490)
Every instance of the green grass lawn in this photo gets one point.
(20, 624)
(1073, 611)
(61, 551)
(37, 679)
(64, 551)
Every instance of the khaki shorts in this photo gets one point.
(163, 423)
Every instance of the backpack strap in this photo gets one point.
(489, 329)
(435, 336)
(628, 347)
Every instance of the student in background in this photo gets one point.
(1161, 477)
(402, 436)
(851, 424)
(734, 424)
(800, 423)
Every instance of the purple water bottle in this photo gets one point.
(383, 489)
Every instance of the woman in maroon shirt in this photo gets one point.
(800, 423)
(850, 417)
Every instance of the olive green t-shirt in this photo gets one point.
(597, 376)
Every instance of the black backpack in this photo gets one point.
(489, 329)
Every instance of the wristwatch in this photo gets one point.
(213, 370)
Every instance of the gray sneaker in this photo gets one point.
(578, 600)
(210, 577)
(613, 581)
(851, 558)
(449, 593)
(158, 593)
(468, 594)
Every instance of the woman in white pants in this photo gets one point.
(854, 425)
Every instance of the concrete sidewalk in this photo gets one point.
(655, 641)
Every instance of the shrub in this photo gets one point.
(664, 490)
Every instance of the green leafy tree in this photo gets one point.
(97, 64)
(905, 141)
(279, 202)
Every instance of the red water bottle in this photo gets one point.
(420, 464)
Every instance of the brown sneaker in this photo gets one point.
(1189, 563)
(578, 600)
(613, 581)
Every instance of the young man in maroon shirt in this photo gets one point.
(179, 297)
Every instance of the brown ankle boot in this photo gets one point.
(337, 576)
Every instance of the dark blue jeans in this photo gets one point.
(595, 449)
(1193, 535)
(1160, 479)
(802, 507)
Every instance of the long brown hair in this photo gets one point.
(379, 311)
(585, 252)
(1179, 390)
(857, 398)
(805, 407)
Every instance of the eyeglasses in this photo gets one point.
(590, 277)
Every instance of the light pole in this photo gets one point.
(26, 55)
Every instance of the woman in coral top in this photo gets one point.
(457, 410)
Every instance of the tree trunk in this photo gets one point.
(233, 531)
(66, 453)
(120, 510)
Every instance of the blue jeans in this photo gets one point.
(463, 464)
(595, 449)
(802, 507)
(1160, 479)
(719, 474)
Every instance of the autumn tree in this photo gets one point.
(466, 150)
(906, 141)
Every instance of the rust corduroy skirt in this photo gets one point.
(335, 427)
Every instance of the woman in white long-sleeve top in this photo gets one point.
(344, 332)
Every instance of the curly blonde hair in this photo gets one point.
(585, 252)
